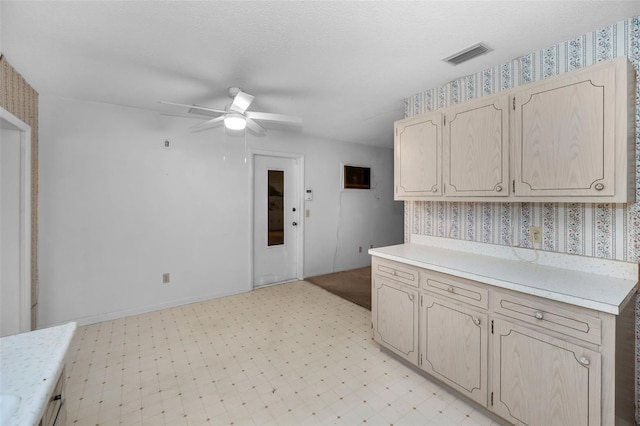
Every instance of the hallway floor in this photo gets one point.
(290, 354)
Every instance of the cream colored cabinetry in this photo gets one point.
(571, 135)
(394, 302)
(454, 333)
(454, 346)
(418, 157)
(566, 138)
(541, 380)
(476, 148)
(539, 332)
(528, 359)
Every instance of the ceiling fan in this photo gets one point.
(235, 116)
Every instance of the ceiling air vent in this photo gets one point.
(466, 54)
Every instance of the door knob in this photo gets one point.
(294, 223)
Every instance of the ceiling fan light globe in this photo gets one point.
(235, 122)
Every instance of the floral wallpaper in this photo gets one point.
(610, 231)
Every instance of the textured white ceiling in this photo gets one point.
(343, 66)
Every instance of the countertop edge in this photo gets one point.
(522, 288)
(33, 408)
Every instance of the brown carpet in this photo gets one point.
(353, 285)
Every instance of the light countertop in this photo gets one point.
(29, 366)
(601, 292)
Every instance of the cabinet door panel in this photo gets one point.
(539, 380)
(395, 317)
(417, 157)
(477, 148)
(565, 136)
(454, 346)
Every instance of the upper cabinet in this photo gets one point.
(418, 157)
(476, 148)
(569, 138)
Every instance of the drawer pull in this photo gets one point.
(539, 315)
(450, 289)
(411, 297)
(476, 321)
(584, 361)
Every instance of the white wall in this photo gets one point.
(118, 209)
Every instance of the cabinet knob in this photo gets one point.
(476, 321)
(539, 315)
(599, 186)
(450, 289)
(411, 297)
(434, 190)
(584, 360)
(498, 188)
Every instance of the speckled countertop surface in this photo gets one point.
(29, 365)
(602, 292)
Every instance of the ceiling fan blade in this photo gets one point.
(180, 115)
(276, 118)
(241, 102)
(195, 108)
(255, 128)
(208, 124)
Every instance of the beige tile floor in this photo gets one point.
(289, 354)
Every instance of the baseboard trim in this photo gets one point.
(109, 316)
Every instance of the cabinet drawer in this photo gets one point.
(455, 288)
(551, 316)
(396, 271)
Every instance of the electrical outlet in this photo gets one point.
(535, 234)
(166, 278)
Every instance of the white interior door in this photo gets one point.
(276, 218)
(15, 225)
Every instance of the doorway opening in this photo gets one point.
(15, 224)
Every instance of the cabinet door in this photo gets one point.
(418, 157)
(565, 136)
(539, 380)
(476, 148)
(454, 346)
(394, 309)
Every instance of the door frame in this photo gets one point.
(300, 235)
(25, 217)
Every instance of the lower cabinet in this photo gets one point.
(395, 319)
(541, 380)
(527, 359)
(55, 413)
(454, 346)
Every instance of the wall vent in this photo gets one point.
(466, 54)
